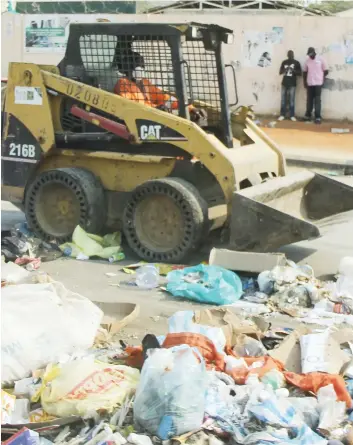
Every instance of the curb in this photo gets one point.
(322, 163)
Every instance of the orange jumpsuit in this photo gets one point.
(150, 95)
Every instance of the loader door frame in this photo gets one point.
(171, 35)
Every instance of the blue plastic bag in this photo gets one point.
(205, 284)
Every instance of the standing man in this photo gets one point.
(290, 68)
(315, 71)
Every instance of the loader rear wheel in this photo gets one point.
(59, 200)
(165, 220)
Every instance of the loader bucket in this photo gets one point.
(284, 210)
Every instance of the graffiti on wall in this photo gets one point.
(338, 84)
(258, 46)
(257, 49)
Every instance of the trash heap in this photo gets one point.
(272, 363)
(21, 246)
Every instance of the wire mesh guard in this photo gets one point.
(202, 70)
(140, 68)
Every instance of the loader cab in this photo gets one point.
(183, 60)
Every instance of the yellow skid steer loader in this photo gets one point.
(135, 129)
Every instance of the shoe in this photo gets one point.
(281, 118)
(293, 119)
(307, 119)
(318, 121)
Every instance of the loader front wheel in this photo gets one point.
(165, 220)
(59, 200)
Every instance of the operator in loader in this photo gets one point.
(135, 86)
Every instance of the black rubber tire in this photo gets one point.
(89, 193)
(194, 212)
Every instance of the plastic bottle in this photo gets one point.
(282, 393)
(119, 256)
(67, 251)
(274, 378)
(30, 267)
(232, 363)
(147, 277)
(252, 380)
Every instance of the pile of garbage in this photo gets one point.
(272, 363)
(21, 246)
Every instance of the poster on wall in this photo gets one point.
(48, 33)
(277, 34)
(348, 49)
(257, 49)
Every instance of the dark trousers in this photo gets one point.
(313, 98)
(288, 93)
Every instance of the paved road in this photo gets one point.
(89, 277)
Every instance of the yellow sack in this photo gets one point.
(82, 386)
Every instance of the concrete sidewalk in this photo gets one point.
(308, 146)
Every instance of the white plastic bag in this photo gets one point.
(182, 321)
(13, 274)
(332, 412)
(82, 387)
(39, 323)
(170, 399)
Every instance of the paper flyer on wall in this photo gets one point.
(277, 34)
(348, 46)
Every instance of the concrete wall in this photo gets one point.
(258, 86)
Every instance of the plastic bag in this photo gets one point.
(220, 404)
(90, 244)
(41, 322)
(82, 387)
(332, 412)
(11, 273)
(308, 408)
(7, 406)
(246, 346)
(182, 321)
(205, 284)
(170, 399)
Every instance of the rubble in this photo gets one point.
(245, 371)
